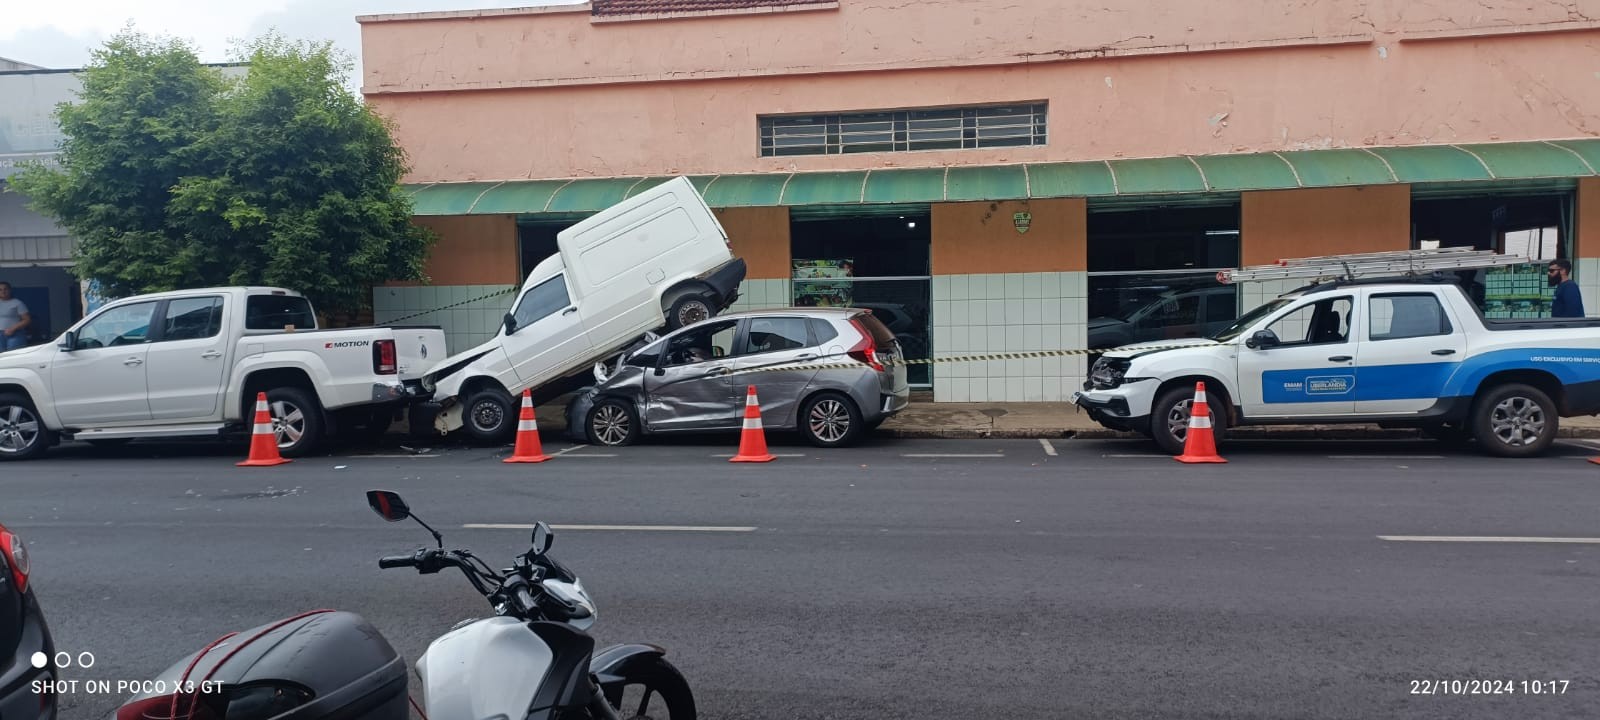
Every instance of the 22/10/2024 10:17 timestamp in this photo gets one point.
(1489, 687)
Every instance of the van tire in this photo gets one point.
(1515, 420)
(490, 416)
(36, 442)
(689, 307)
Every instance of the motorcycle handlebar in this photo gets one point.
(396, 561)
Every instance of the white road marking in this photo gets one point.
(1136, 455)
(1385, 457)
(592, 455)
(395, 455)
(776, 455)
(952, 455)
(1489, 539)
(615, 528)
(1592, 444)
(1048, 448)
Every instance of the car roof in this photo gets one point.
(795, 311)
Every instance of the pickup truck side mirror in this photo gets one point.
(1262, 340)
(511, 323)
(69, 342)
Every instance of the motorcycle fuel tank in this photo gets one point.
(486, 669)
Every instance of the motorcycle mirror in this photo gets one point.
(388, 505)
(542, 538)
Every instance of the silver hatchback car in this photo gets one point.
(695, 379)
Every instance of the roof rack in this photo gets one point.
(1350, 267)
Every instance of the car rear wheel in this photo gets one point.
(612, 422)
(490, 416)
(831, 420)
(22, 434)
(296, 421)
(1514, 421)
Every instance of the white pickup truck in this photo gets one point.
(1396, 352)
(190, 363)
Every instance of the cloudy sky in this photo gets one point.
(59, 33)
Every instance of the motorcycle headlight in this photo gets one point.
(572, 594)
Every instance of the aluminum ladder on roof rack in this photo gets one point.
(1350, 267)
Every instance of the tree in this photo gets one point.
(174, 175)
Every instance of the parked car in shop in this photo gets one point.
(657, 260)
(189, 363)
(695, 379)
(1182, 314)
(23, 633)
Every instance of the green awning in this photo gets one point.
(1134, 178)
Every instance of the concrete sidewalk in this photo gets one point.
(928, 419)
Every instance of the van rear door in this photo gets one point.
(619, 258)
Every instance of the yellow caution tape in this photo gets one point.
(1022, 355)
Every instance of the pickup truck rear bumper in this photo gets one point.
(389, 392)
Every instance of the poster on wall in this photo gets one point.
(823, 283)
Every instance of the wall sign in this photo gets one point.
(1022, 220)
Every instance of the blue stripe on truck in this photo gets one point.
(1425, 380)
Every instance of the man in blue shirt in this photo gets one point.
(1568, 302)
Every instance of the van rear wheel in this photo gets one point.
(688, 308)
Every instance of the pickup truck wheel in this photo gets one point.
(296, 420)
(612, 421)
(22, 434)
(1169, 419)
(1514, 421)
(490, 416)
(688, 309)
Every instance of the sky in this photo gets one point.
(60, 33)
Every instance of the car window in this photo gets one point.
(708, 340)
(193, 319)
(544, 300)
(1221, 307)
(775, 335)
(647, 356)
(125, 325)
(1409, 315)
(1177, 311)
(822, 330)
(275, 312)
(1320, 323)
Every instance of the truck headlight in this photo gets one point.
(1108, 373)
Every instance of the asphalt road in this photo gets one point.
(1101, 581)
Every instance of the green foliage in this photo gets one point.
(176, 175)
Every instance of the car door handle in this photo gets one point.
(717, 372)
(570, 310)
(1444, 351)
(1340, 358)
(211, 354)
(133, 361)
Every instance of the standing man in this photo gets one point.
(1568, 302)
(14, 320)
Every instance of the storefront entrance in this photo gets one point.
(880, 263)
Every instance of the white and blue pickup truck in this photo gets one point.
(1399, 352)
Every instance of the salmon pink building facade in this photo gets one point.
(1028, 175)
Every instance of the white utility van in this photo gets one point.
(656, 260)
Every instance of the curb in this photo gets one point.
(1249, 433)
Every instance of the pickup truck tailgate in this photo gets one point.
(419, 348)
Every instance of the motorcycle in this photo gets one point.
(532, 660)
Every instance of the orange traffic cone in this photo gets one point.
(1200, 445)
(528, 448)
(752, 440)
(263, 441)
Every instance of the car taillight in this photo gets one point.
(16, 555)
(865, 351)
(383, 358)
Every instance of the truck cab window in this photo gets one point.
(545, 299)
(193, 319)
(126, 325)
(1325, 322)
(1407, 316)
(276, 312)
